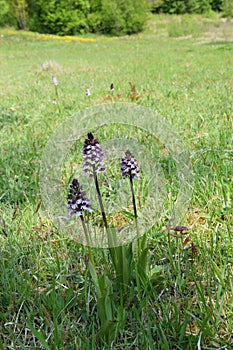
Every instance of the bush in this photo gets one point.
(184, 6)
(216, 5)
(74, 16)
(94, 21)
(227, 8)
(13, 13)
(63, 17)
(123, 17)
(4, 10)
(68, 17)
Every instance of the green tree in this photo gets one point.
(123, 16)
(14, 12)
(68, 17)
(59, 16)
(135, 16)
(216, 5)
(21, 13)
(94, 18)
(112, 17)
(4, 11)
(197, 6)
(180, 6)
(227, 8)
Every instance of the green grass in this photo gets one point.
(47, 297)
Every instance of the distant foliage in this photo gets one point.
(114, 17)
(190, 6)
(58, 16)
(123, 17)
(13, 13)
(4, 10)
(216, 5)
(227, 7)
(69, 17)
(180, 6)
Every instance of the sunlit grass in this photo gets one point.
(47, 298)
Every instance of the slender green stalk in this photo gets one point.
(133, 198)
(130, 168)
(135, 213)
(169, 238)
(110, 241)
(87, 239)
(100, 199)
(57, 98)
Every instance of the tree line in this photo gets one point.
(191, 6)
(115, 17)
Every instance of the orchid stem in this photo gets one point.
(88, 240)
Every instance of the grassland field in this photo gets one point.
(180, 67)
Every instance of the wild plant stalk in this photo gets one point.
(179, 232)
(111, 242)
(93, 164)
(77, 204)
(88, 240)
(134, 202)
(169, 239)
(100, 199)
(130, 169)
(56, 100)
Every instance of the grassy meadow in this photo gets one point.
(180, 67)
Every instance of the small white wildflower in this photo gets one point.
(88, 92)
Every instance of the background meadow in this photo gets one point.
(181, 67)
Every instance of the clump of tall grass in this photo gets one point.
(184, 26)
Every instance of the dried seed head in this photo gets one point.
(93, 156)
(180, 229)
(112, 87)
(77, 202)
(129, 166)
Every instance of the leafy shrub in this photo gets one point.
(59, 17)
(181, 6)
(9, 13)
(94, 21)
(14, 13)
(216, 5)
(123, 17)
(4, 10)
(227, 8)
(69, 16)
(112, 17)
